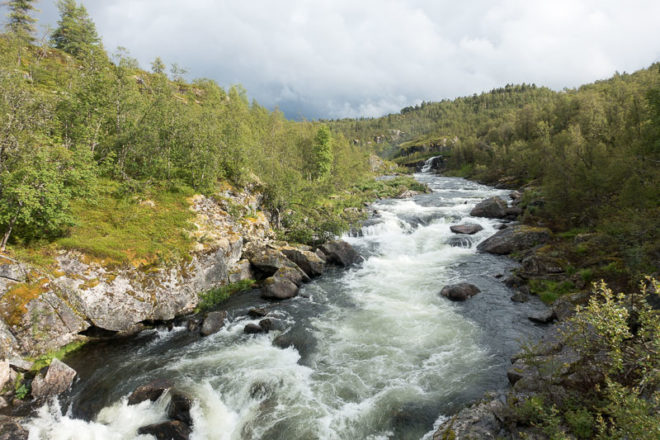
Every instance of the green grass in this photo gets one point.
(60, 353)
(549, 291)
(132, 229)
(213, 297)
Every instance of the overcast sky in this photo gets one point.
(346, 58)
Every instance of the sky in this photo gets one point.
(352, 58)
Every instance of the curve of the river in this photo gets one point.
(376, 352)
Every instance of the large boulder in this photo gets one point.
(213, 323)
(278, 288)
(265, 262)
(11, 429)
(151, 391)
(293, 274)
(340, 253)
(467, 228)
(493, 207)
(308, 261)
(171, 430)
(516, 238)
(460, 291)
(480, 421)
(58, 379)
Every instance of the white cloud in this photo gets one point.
(333, 58)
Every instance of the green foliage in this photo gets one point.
(20, 22)
(549, 291)
(22, 390)
(321, 153)
(46, 359)
(75, 33)
(213, 297)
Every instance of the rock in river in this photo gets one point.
(151, 391)
(516, 238)
(492, 207)
(340, 253)
(213, 323)
(467, 228)
(460, 291)
(172, 430)
(57, 379)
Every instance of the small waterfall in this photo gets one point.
(429, 164)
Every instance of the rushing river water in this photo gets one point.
(374, 352)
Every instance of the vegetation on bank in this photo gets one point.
(99, 155)
(612, 392)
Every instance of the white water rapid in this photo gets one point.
(372, 353)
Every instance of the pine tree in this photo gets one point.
(20, 22)
(76, 33)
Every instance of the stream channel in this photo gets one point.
(376, 352)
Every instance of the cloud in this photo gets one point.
(339, 58)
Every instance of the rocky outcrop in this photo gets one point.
(480, 421)
(515, 238)
(41, 312)
(467, 228)
(58, 379)
(340, 253)
(460, 291)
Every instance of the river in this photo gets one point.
(373, 352)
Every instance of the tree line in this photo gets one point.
(73, 114)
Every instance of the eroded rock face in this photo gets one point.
(340, 253)
(460, 291)
(515, 238)
(58, 379)
(87, 293)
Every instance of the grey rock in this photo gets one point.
(467, 228)
(257, 312)
(309, 262)
(293, 274)
(265, 262)
(340, 253)
(5, 374)
(242, 270)
(479, 421)
(151, 391)
(519, 297)
(278, 289)
(493, 207)
(543, 317)
(20, 364)
(460, 291)
(58, 379)
(213, 322)
(516, 238)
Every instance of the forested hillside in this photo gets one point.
(86, 136)
(589, 156)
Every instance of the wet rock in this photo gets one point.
(179, 408)
(460, 291)
(493, 207)
(271, 324)
(543, 317)
(253, 329)
(340, 253)
(308, 261)
(460, 241)
(213, 323)
(11, 429)
(466, 228)
(257, 312)
(58, 379)
(172, 430)
(278, 289)
(151, 391)
(516, 238)
(193, 324)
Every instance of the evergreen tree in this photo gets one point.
(21, 23)
(322, 153)
(158, 66)
(76, 32)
